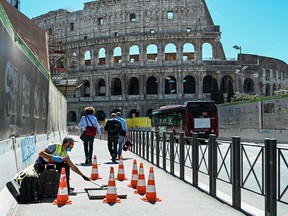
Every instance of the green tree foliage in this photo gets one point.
(230, 92)
(220, 96)
(214, 91)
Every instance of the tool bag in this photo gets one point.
(127, 145)
(90, 130)
(25, 188)
(49, 181)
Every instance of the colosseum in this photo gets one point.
(135, 56)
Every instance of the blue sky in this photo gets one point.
(260, 27)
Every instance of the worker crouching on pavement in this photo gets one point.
(57, 154)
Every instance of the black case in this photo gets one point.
(25, 188)
(49, 181)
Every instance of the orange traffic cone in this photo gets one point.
(62, 196)
(150, 195)
(134, 177)
(121, 172)
(141, 186)
(95, 173)
(111, 196)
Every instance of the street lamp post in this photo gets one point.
(240, 62)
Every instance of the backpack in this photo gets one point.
(113, 127)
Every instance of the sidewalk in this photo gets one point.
(178, 198)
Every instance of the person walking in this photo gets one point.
(123, 134)
(56, 153)
(114, 128)
(88, 120)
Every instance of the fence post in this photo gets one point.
(235, 172)
(195, 158)
(270, 177)
(157, 148)
(137, 138)
(147, 144)
(182, 156)
(171, 153)
(164, 150)
(152, 149)
(142, 146)
(212, 164)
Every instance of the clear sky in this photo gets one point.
(260, 27)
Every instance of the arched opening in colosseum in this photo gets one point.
(134, 86)
(152, 85)
(100, 88)
(134, 54)
(71, 116)
(170, 85)
(87, 58)
(117, 55)
(248, 86)
(102, 57)
(74, 60)
(188, 52)
(226, 81)
(189, 85)
(207, 84)
(116, 87)
(85, 89)
(152, 52)
(100, 115)
(133, 113)
(170, 52)
(207, 51)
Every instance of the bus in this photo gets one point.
(192, 116)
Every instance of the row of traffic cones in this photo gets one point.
(137, 182)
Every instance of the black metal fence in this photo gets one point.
(264, 173)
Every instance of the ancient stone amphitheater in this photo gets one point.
(137, 55)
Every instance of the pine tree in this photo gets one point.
(221, 96)
(214, 91)
(230, 92)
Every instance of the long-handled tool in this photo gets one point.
(101, 186)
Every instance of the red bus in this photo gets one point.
(193, 116)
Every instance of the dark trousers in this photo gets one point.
(88, 147)
(40, 164)
(112, 146)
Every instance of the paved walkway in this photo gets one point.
(178, 198)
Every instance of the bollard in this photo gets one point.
(235, 172)
(270, 177)
(195, 158)
(212, 164)
(182, 156)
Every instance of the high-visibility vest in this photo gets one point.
(58, 151)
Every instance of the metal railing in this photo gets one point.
(229, 162)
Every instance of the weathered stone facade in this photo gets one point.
(135, 56)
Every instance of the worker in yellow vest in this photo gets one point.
(57, 154)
